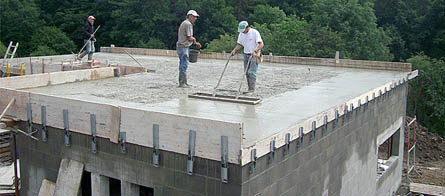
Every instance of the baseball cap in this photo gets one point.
(192, 12)
(91, 17)
(242, 26)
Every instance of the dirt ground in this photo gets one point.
(430, 161)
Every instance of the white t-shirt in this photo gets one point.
(249, 40)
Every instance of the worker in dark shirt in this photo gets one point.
(88, 31)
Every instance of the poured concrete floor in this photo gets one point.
(291, 93)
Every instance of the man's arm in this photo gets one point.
(237, 47)
(258, 49)
(85, 31)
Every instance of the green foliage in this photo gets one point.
(53, 39)
(153, 43)
(43, 50)
(223, 43)
(2, 49)
(435, 17)
(356, 24)
(290, 37)
(19, 19)
(265, 14)
(427, 93)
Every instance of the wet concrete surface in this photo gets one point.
(290, 93)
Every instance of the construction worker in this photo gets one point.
(250, 39)
(185, 40)
(89, 39)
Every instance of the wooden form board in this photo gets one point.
(38, 80)
(80, 75)
(107, 116)
(18, 108)
(427, 189)
(263, 147)
(396, 66)
(174, 133)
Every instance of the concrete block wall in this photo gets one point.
(340, 161)
(40, 160)
(394, 66)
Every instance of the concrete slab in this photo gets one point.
(291, 93)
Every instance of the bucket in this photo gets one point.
(193, 55)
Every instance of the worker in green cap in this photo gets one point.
(250, 39)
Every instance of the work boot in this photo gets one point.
(182, 80)
(251, 84)
(185, 80)
(90, 56)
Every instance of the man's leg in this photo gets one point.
(92, 49)
(183, 63)
(85, 51)
(251, 73)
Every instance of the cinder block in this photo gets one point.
(193, 183)
(213, 187)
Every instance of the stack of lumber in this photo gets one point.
(5, 152)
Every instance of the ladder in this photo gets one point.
(11, 55)
(411, 148)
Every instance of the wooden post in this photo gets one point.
(7, 70)
(30, 64)
(21, 69)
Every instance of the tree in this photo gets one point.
(19, 19)
(43, 51)
(2, 49)
(426, 96)
(435, 20)
(265, 14)
(54, 40)
(225, 42)
(356, 24)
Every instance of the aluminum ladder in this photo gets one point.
(11, 55)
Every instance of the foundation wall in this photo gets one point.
(41, 160)
(340, 160)
(394, 66)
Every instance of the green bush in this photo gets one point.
(54, 39)
(223, 43)
(426, 96)
(43, 51)
(2, 49)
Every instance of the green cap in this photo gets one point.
(242, 26)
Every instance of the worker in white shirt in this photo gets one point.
(250, 39)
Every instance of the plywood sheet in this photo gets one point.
(80, 75)
(18, 108)
(427, 189)
(174, 133)
(107, 116)
(28, 81)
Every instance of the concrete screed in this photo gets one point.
(334, 157)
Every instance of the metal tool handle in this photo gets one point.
(88, 41)
(133, 58)
(222, 74)
(244, 76)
